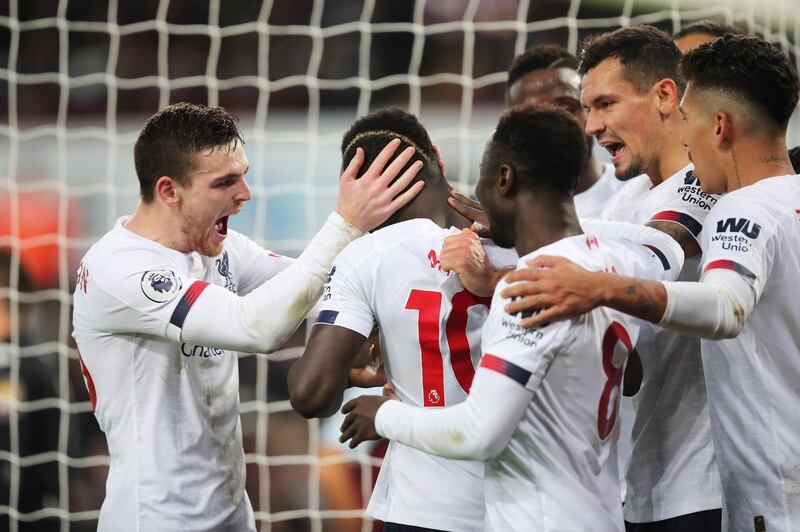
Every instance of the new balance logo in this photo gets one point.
(739, 225)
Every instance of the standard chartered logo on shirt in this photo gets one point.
(200, 351)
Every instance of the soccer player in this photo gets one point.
(546, 74)
(165, 299)
(741, 92)
(399, 278)
(701, 32)
(631, 90)
(543, 405)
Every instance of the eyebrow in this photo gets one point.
(597, 99)
(229, 176)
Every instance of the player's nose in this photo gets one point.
(594, 123)
(244, 193)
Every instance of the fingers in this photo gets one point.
(383, 157)
(531, 302)
(480, 230)
(464, 210)
(523, 283)
(399, 162)
(347, 423)
(404, 180)
(351, 171)
(349, 406)
(543, 318)
(347, 434)
(438, 152)
(466, 201)
(403, 199)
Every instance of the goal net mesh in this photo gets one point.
(77, 81)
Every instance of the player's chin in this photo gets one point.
(210, 245)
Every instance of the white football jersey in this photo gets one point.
(754, 379)
(559, 470)
(169, 410)
(430, 341)
(671, 471)
(592, 202)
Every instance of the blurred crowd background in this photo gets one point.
(77, 81)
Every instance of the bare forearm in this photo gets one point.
(641, 298)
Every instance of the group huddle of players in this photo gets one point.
(509, 327)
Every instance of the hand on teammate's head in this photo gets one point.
(370, 200)
(471, 210)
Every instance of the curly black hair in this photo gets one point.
(540, 56)
(646, 53)
(749, 68)
(173, 136)
(371, 133)
(545, 146)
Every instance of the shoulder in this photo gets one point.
(415, 233)
(118, 257)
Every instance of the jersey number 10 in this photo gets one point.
(429, 304)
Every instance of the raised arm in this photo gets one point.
(194, 311)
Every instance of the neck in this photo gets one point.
(672, 155)
(540, 221)
(592, 171)
(431, 203)
(752, 160)
(153, 221)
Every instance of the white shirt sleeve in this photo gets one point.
(655, 255)
(161, 302)
(347, 294)
(477, 429)
(256, 264)
(688, 205)
(739, 248)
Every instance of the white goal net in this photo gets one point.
(77, 81)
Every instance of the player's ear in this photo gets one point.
(166, 189)
(507, 179)
(668, 98)
(722, 129)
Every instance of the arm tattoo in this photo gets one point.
(679, 234)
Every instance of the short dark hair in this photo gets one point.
(646, 53)
(750, 69)
(371, 133)
(540, 56)
(544, 145)
(171, 138)
(707, 27)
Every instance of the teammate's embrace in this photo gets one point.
(740, 93)
(542, 407)
(429, 331)
(157, 313)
